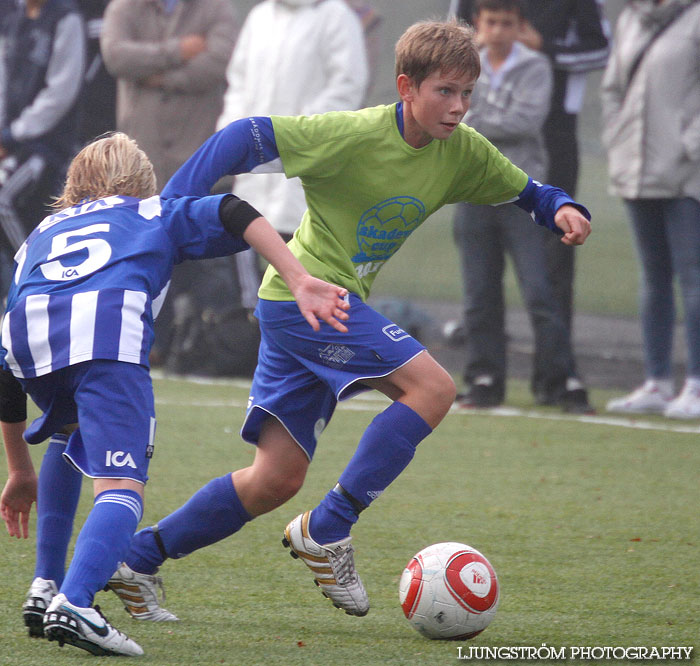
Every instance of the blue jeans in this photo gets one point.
(484, 234)
(667, 233)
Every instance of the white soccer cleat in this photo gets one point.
(332, 564)
(139, 594)
(87, 629)
(686, 405)
(39, 597)
(652, 397)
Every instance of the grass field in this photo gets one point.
(593, 530)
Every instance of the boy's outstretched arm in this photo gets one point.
(244, 146)
(315, 298)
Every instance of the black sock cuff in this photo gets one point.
(159, 542)
(356, 504)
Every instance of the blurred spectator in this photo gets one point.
(169, 58)
(99, 101)
(371, 20)
(463, 9)
(574, 37)
(293, 57)
(6, 6)
(651, 114)
(41, 76)
(509, 105)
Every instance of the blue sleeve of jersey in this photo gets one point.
(195, 227)
(237, 148)
(543, 201)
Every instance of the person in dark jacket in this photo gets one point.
(99, 98)
(41, 77)
(575, 38)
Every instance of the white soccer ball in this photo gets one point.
(449, 591)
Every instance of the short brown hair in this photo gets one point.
(500, 6)
(430, 46)
(110, 165)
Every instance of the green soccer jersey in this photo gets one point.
(367, 190)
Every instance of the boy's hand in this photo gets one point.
(575, 226)
(16, 502)
(318, 299)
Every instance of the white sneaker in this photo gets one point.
(686, 405)
(652, 397)
(39, 597)
(86, 628)
(333, 566)
(139, 594)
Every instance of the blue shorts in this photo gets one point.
(301, 374)
(113, 403)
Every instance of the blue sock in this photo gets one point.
(102, 544)
(386, 448)
(56, 504)
(210, 515)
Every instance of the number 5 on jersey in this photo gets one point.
(98, 253)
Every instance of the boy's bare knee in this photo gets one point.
(445, 391)
(283, 488)
(269, 491)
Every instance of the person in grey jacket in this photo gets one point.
(169, 58)
(509, 106)
(651, 129)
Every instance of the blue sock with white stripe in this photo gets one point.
(387, 446)
(102, 544)
(210, 515)
(57, 500)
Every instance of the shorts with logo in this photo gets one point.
(113, 403)
(301, 374)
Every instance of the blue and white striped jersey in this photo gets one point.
(90, 279)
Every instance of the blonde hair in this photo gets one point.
(110, 165)
(442, 46)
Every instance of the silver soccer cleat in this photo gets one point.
(332, 564)
(139, 594)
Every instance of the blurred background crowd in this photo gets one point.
(611, 86)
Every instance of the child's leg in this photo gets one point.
(104, 539)
(57, 501)
(423, 392)
(224, 505)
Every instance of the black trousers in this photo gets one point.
(562, 150)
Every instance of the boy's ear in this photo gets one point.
(405, 87)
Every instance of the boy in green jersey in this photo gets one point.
(371, 177)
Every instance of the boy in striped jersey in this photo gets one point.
(77, 332)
